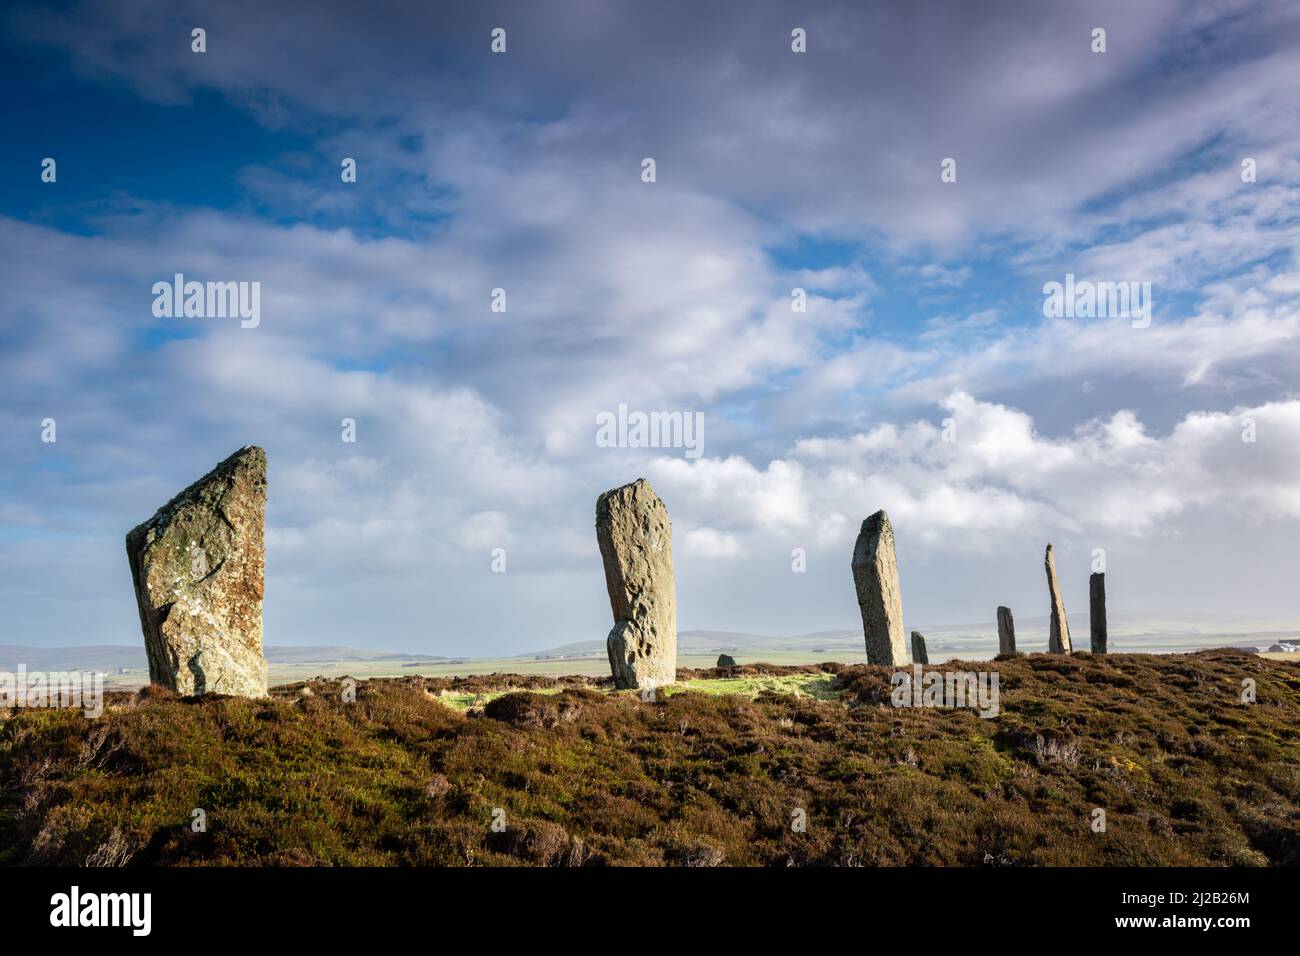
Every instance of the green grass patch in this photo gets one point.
(816, 686)
(463, 701)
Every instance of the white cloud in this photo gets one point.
(710, 543)
(1000, 478)
(484, 530)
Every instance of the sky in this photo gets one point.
(922, 172)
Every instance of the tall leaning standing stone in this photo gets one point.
(1097, 611)
(1006, 631)
(636, 545)
(198, 566)
(875, 576)
(1058, 641)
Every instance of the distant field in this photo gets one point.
(279, 674)
(590, 666)
(944, 645)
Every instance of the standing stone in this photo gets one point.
(919, 654)
(1006, 631)
(875, 576)
(726, 660)
(198, 566)
(1058, 641)
(636, 544)
(1097, 611)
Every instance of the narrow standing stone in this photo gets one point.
(1006, 631)
(1097, 611)
(1058, 641)
(919, 654)
(636, 545)
(198, 566)
(875, 576)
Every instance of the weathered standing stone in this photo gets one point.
(726, 660)
(1097, 611)
(636, 543)
(875, 576)
(919, 654)
(1058, 641)
(198, 566)
(1006, 631)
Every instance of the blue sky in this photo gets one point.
(775, 170)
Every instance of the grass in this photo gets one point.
(817, 686)
(709, 773)
(462, 701)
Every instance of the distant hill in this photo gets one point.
(1157, 633)
(292, 654)
(692, 641)
(1153, 632)
(111, 657)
